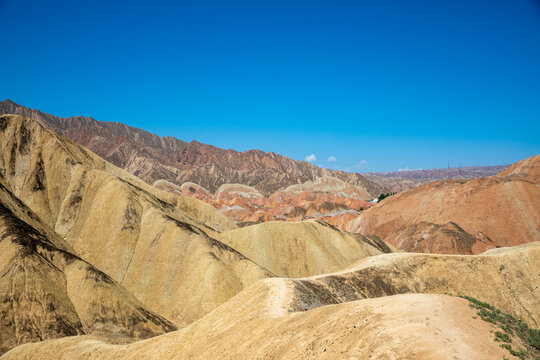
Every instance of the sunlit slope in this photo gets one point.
(348, 314)
(160, 246)
(299, 249)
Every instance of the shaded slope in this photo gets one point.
(152, 158)
(47, 292)
(158, 245)
(505, 208)
(321, 316)
(299, 249)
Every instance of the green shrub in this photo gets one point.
(499, 336)
(384, 196)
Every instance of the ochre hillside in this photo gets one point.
(505, 208)
(432, 238)
(527, 169)
(47, 292)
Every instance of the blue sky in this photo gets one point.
(375, 85)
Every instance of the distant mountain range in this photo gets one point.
(398, 181)
(153, 158)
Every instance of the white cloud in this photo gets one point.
(311, 158)
(361, 164)
(406, 168)
(331, 158)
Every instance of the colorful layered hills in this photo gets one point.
(461, 216)
(97, 263)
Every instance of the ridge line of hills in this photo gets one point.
(179, 161)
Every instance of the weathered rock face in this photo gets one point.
(160, 246)
(299, 249)
(349, 314)
(152, 158)
(504, 207)
(431, 238)
(47, 292)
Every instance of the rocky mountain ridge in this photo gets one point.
(153, 158)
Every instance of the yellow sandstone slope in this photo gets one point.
(160, 246)
(299, 249)
(347, 314)
(47, 292)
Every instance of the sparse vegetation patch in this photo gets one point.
(511, 328)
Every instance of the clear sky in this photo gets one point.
(375, 85)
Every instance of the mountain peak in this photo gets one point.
(9, 102)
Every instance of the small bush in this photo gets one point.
(534, 338)
(499, 336)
